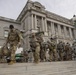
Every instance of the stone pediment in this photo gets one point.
(38, 4)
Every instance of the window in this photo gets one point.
(23, 25)
(62, 30)
(56, 28)
(68, 33)
(72, 32)
(49, 28)
(39, 22)
(6, 33)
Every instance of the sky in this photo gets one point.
(12, 8)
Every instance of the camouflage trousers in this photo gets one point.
(53, 55)
(13, 49)
(68, 55)
(36, 54)
(42, 55)
(60, 55)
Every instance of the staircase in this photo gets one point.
(43, 68)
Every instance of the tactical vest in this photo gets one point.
(13, 36)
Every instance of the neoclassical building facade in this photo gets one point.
(35, 17)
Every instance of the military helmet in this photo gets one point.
(11, 26)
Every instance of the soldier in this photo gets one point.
(52, 50)
(14, 40)
(35, 46)
(60, 48)
(43, 51)
(1, 54)
(25, 56)
(74, 51)
(4, 52)
(39, 36)
(68, 51)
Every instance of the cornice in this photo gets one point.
(58, 18)
(8, 20)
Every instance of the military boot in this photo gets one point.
(14, 61)
(11, 62)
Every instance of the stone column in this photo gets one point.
(42, 27)
(50, 31)
(53, 29)
(45, 25)
(59, 31)
(65, 32)
(35, 22)
(32, 27)
(29, 27)
(70, 33)
(45, 28)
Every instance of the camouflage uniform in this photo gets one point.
(35, 46)
(0, 55)
(52, 51)
(60, 48)
(14, 39)
(4, 52)
(43, 51)
(24, 55)
(42, 47)
(68, 52)
(74, 51)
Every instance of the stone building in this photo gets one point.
(35, 17)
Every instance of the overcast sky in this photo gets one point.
(12, 8)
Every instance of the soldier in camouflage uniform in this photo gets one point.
(74, 51)
(24, 55)
(35, 46)
(68, 51)
(52, 50)
(4, 52)
(42, 45)
(60, 48)
(14, 40)
(43, 51)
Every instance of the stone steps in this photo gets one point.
(43, 68)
